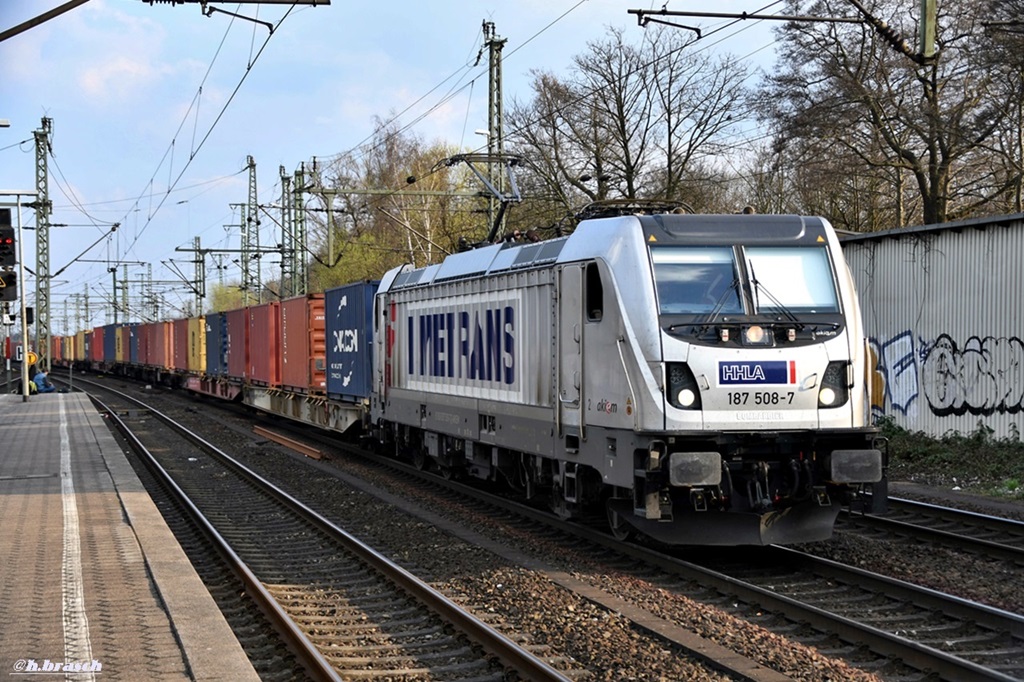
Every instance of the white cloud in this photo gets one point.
(118, 78)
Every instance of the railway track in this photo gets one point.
(991, 536)
(343, 608)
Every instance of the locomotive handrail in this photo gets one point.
(629, 382)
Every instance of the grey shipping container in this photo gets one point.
(216, 344)
(348, 311)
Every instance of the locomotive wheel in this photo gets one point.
(621, 529)
(420, 460)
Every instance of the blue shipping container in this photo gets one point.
(216, 344)
(133, 343)
(110, 332)
(349, 325)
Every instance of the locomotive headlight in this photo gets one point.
(681, 386)
(835, 386)
(755, 335)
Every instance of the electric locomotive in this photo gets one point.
(699, 379)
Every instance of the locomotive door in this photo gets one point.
(570, 347)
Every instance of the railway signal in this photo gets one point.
(8, 253)
(8, 286)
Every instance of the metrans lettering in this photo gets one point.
(477, 344)
(764, 372)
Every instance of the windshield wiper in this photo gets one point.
(759, 288)
(701, 324)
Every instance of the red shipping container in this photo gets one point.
(179, 344)
(161, 354)
(264, 344)
(96, 350)
(238, 343)
(303, 349)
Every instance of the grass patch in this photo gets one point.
(976, 462)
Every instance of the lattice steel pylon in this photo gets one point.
(300, 271)
(251, 281)
(43, 207)
(288, 285)
(495, 118)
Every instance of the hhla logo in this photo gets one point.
(765, 372)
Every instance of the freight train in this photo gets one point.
(698, 379)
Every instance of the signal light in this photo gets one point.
(8, 286)
(8, 254)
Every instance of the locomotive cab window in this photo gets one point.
(696, 280)
(594, 293)
(797, 279)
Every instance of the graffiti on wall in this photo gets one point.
(984, 376)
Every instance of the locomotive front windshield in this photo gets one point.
(696, 280)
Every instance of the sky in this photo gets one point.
(155, 109)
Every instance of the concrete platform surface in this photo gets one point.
(93, 585)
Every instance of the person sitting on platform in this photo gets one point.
(42, 383)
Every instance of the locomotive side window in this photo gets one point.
(696, 279)
(594, 293)
(797, 279)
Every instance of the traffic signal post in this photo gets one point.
(17, 251)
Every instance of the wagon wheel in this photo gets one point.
(621, 529)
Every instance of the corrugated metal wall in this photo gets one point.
(944, 309)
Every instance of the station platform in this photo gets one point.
(93, 585)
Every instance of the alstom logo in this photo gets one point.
(766, 372)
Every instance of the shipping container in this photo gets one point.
(145, 334)
(79, 352)
(179, 344)
(264, 344)
(121, 344)
(133, 343)
(97, 346)
(196, 345)
(87, 342)
(161, 349)
(110, 333)
(942, 311)
(349, 323)
(216, 344)
(303, 360)
(238, 343)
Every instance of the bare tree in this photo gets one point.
(629, 122)
(842, 95)
(389, 203)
